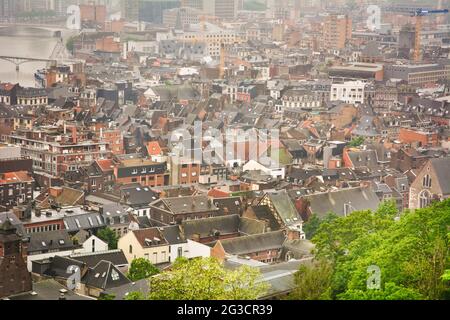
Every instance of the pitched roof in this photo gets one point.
(336, 201)
(263, 213)
(91, 259)
(104, 276)
(15, 177)
(153, 148)
(442, 168)
(254, 243)
(207, 227)
(284, 207)
(58, 240)
(181, 205)
(150, 237)
(91, 220)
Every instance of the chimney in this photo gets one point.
(55, 191)
(293, 235)
(74, 134)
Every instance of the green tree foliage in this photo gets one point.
(312, 225)
(390, 292)
(70, 44)
(356, 142)
(135, 296)
(204, 279)
(313, 282)
(109, 236)
(141, 269)
(107, 297)
(411, 250)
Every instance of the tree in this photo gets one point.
(411, 252)
(390, 292)
(135, 296)
(312, 282)
(356, 142)
(141, 269)
(107, 297)
(311, 226)
(70, 44)
(205, 279)
(108, 236)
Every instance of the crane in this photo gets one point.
(419, 14)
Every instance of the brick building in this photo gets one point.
(15, 188)
(143, 171)
(14, 276)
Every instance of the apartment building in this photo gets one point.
(418, 74)
(15, 188)
(54, 154)
(348, 92)
(337, 30)
(144, 171)
(213, 37)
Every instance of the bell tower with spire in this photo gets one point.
(14, 275)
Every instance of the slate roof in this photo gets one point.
(57, 240)
(105, 276)
(284, 207)
(364, 158)
(263, 213)
(91, 220)
(14, 221)
(207, 227)
(121, 292)
(138, 196)
(298, 248)
(442, 168)
(233, 205)
(334, 201)
(59, 266)
(181, 205)
(173, 235)
(116, 257)
(49, 290)
(254, 243)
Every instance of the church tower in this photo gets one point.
(14, 275)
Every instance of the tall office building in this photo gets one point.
(223, 9)
(147, 10)
(196, 4)
(8, 8)
(337, 30)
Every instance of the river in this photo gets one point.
(25, 42)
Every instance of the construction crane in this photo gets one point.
(419, 14)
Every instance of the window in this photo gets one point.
(424, 199)
(427, 181)
(180, 252)
(130, 249)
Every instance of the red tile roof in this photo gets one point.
(106, 165)
(13, 177)
(153, 148)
